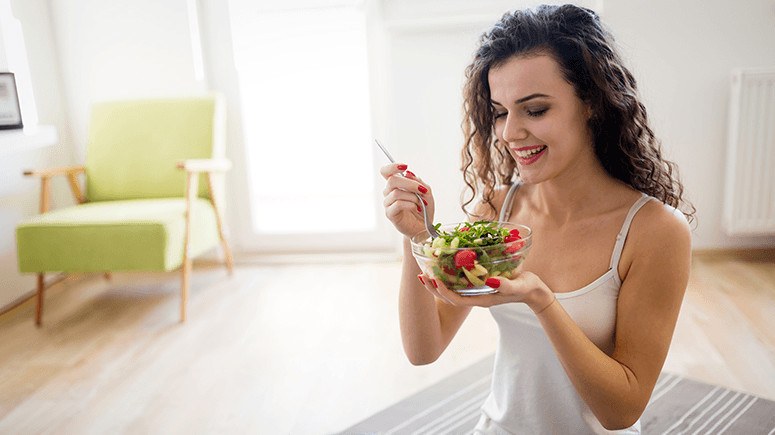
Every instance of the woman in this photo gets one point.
(553, 119)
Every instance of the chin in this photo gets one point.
(528, 178)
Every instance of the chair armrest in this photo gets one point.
(45, 178)
(205, 165)
(51, 172)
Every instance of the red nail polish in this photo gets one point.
(402, 167)
(424, 201)
(420, 278)
(419, 209)
(435, 284)
(422, 189)
(411, 174)
(492, 282)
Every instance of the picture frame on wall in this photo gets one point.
(10, 111)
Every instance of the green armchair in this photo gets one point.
(143, 208)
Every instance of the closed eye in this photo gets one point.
(536, 113)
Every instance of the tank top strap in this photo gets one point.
(507, 203)
(622, 236)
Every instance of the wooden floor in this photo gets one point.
(298, 348)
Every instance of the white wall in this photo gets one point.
(426, 71)
(683, 60)
(19, 195)
(116, 49)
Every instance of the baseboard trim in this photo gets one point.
(747, 254)
(55, 279)
(254, 259)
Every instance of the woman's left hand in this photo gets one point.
(526, 287)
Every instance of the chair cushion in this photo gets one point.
(133, 146)
(142, 234)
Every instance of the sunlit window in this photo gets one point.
(303, 76)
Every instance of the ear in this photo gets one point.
(588, 111)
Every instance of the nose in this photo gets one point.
(513, 129)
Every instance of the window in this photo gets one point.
(303, 76)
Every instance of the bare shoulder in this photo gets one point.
(659, 235)
(661, 224)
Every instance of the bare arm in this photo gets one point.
(428, 321)
(617, 388)
(428, 324)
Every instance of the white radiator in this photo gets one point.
(749, 200)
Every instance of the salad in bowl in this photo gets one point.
(465, 254)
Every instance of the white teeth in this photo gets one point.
(529, 153)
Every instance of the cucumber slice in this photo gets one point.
(480, 270)
(473, 278)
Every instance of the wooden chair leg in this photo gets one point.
(219, 222)
(192, 182)
(185, 281)
(227, 254)
(39, 305)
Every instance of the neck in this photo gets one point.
(574, 194)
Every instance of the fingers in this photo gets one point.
(410, 183)
(400, 195)
(525, 287)
(398, 207)
(452, 296)
(411, 175)
(438, 289)
(493, 282)
(433, 285)
(394, 168)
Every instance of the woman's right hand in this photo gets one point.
(402, 207)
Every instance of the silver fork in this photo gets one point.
(428, 223)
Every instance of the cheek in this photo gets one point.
(577, 122)
(546, 130)
(560, 129)
(498, 130)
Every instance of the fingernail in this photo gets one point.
(492, 282)
(411, 174)
(419, 209)
(402, 167)
(422, 189)
(424, 201)
(435, 285)
(420, 278)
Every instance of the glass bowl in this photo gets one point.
(464, 263)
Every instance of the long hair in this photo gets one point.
(574, 36)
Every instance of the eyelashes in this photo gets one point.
(531, 113)
(536, 113)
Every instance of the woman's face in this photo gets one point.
(540, 119)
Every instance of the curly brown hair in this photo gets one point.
(623, 140)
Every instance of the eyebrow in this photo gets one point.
(524, 99)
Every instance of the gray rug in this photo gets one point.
(677, 405)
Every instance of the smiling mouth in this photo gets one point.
(528, 153)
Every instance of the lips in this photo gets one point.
(525, 152)
(529, 154)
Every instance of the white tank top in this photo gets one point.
(531, 393)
